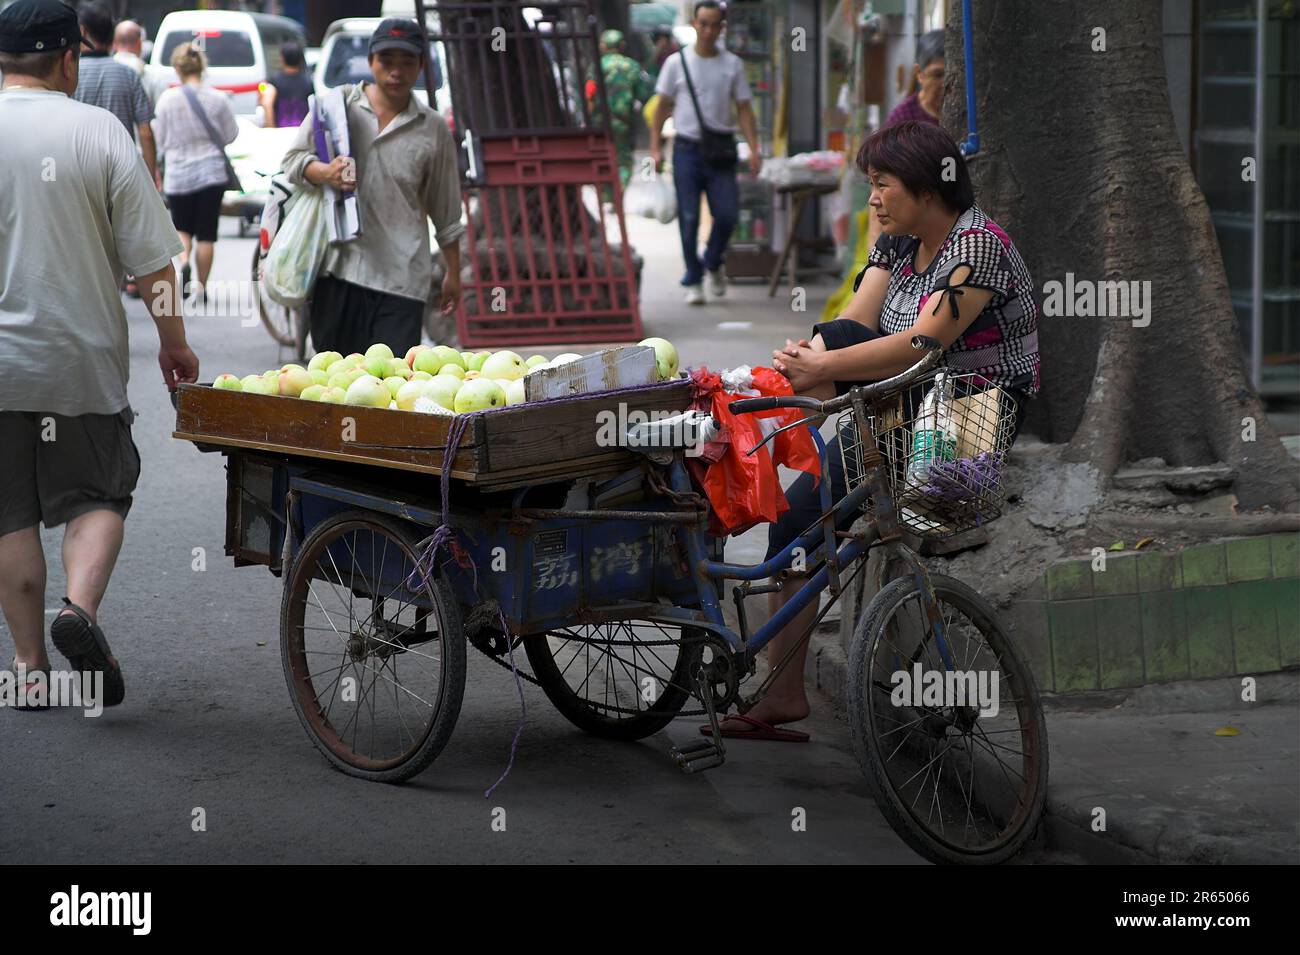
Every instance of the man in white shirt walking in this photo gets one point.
(78, 210)
(713, 78)
(128, 49)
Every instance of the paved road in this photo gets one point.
(207, 722)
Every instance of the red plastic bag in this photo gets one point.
(743, 489)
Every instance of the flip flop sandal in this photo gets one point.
(759, 730)
(28, 708)
(79, 639)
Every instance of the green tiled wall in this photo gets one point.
(1218, 609)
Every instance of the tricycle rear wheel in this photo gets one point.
(359, 615)
(624, 679)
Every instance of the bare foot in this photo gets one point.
(772, 711)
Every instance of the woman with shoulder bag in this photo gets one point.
(193, 125)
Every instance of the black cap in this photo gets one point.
(397, 33)
(39, 26)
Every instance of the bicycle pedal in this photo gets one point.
(697, 756)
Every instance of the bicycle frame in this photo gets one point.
(814, 544)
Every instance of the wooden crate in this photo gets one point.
(509, 447)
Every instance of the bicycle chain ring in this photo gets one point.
(721, 672)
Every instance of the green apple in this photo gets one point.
(564, 359)
(665, 357)
(447, 355)
(312, 393)
(456, 370)
(256, 385)
(411, 353)
(408, 392)
(532, 361)
(394, 382)
(443, 389)
(399, 367)
(341, 379)
(479, 395)
(377, 358)
(318, 375)
(515, 392)
(290, 366)
(322, 360)
(420, 376)
(503, 364)
(334, 396)
(467, 359)
(227, 381)
(341, 364)
(368, 391)
(471, 375)
(292, 381)
(427, 360)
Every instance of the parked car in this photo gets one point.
(243, 49)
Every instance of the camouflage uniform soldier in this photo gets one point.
(627, 87)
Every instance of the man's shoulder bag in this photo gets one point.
(717, 148)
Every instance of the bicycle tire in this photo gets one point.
(868, 731)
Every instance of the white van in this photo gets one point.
(243, 49)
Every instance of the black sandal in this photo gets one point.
(79, 639)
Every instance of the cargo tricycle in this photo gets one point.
(403, 539)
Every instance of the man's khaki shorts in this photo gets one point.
(54, 467)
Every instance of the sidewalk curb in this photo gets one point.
(1067, 828)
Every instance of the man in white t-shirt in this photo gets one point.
(78, 210)
(128, 48)
(718, 79)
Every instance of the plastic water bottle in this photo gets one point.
(934, 434)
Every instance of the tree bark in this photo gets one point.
(1080, 162)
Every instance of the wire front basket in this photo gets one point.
(944, 442)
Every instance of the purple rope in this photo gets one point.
(444, 534)
(523, 707)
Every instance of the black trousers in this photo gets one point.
(347, 318)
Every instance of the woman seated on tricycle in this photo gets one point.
(941, 268)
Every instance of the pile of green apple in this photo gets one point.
(435, 379)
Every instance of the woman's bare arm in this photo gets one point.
(869, 299)
(883, 357)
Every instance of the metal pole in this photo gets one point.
(1257, 246)
(972, 144)
(428, 58)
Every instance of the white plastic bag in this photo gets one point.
(665, 199)
(297, 251)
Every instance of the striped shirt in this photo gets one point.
(114, 86)
(1001, 344)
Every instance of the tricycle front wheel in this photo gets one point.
(373, 648)
(624, 679)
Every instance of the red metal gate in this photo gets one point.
(546, 264)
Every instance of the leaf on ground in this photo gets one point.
(1118, 545)
(1227, 731)
(261, 643)
(1143, 542)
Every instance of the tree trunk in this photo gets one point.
(1080, 162)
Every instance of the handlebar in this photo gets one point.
(867, 392)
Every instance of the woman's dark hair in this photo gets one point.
(929, 48)
(918, 154)
(291, 55)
